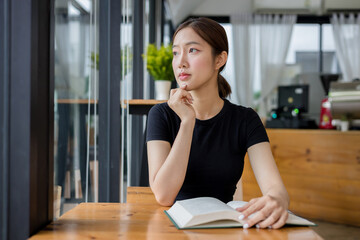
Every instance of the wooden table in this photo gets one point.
(147, 221)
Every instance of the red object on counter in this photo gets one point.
(325, 115)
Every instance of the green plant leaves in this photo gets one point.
(159, 62)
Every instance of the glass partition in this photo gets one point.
(126, 88)
(76, 91)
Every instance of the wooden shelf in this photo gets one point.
(144, 101)
(131, 101)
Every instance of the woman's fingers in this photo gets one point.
(264, 212)
(258, 217)
(172, 92)
(246, 206)
(180, 102)
(270, 220)
(254, 206)
(185, 94)
(180, 93)
(282, 220)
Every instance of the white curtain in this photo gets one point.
(261, 43)
(346, 32)
(244, 44)
(275, 34)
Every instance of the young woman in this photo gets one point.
(197, 140)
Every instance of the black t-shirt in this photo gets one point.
(218, 147)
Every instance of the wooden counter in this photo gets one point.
(321, 171)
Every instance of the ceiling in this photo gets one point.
(181, 9)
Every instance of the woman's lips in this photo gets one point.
(184, 76)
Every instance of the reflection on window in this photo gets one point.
(126, 92)
(304, 49)
(303, 62)
(76, 77)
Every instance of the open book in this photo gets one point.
(208, 212)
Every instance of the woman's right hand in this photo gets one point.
(181, 103)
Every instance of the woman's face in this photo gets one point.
(193, 62)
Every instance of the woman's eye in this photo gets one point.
(193, 50)
(175, 53)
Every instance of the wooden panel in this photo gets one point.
(321, 171)
(140, 195)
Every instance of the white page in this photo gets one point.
(204, 205)
(196, 211)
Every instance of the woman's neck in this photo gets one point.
(207, 105)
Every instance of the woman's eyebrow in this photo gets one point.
(188, 43)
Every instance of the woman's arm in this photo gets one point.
(273, 205)
(167, 165)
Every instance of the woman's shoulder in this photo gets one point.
(239, 109)
(161, 109)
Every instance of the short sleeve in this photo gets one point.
(255, 129)
(157, 125)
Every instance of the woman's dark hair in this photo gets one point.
(214, 34)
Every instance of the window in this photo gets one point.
(75, 114)
(303, 60)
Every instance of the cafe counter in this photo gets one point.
(321, 172)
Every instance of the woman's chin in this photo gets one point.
(184, 83)
(188, 87)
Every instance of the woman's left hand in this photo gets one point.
(269, 212)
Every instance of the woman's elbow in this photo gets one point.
(164, 199)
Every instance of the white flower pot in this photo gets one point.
(344, 126)
(162, 89)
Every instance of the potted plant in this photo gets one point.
(159, 65)
(344, 123)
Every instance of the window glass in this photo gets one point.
(304, 47)
(126, 91)
(76, 91)
(303, 62)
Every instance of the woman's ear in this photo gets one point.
(220, 60)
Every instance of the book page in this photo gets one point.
(191, 212)
(236, 204)
(179, 214)
(296, 220)
(204, 205)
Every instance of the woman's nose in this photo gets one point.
(183, 61)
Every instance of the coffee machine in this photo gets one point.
(344, 98)
(293, 101)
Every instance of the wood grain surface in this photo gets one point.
(321, 171)
(130, 101)
(147, 221)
